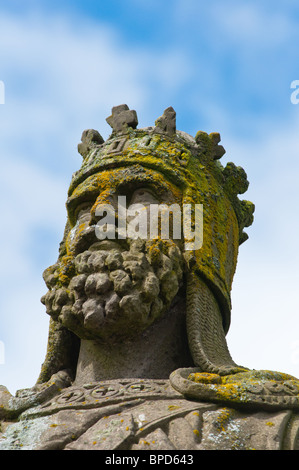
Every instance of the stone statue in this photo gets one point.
(137, 355)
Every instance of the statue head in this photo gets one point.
(117, 272)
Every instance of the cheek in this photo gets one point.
(74, 235)
(79, 231)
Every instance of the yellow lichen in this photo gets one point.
(173, 407)
(205, 378)
(145, 442)
(223, 419)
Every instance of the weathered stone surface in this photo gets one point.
(122, 118)
(145, 415)
(229, 429)
(90, 139)
(166, 124)
(252, 389)
(209, 144)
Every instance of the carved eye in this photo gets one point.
(83, 210)
(144, 196)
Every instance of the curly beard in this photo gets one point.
(115, 293)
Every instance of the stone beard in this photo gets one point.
(117, 290)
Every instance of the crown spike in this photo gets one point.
(121, 118)
(166, 124)
(90, 138)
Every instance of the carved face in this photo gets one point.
(113, 288)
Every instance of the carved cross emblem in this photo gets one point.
(122, 117)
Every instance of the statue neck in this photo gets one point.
(161, 349)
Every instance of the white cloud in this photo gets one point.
(244, 51)
(63, 75)
(254, 24)
(63, 72)
(251, 22)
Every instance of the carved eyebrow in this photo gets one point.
(125, 186)
(157, 188)
(74, 202)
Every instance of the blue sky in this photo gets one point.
(225, 67)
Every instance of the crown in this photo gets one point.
(167, 150)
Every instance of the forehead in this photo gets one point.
(124, 181)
